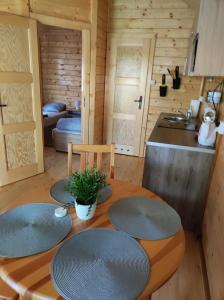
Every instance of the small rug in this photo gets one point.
(31, 229)
(144, 218)
(102, 264)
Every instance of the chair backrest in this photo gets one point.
(89, 152)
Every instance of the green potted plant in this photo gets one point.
(84, 186)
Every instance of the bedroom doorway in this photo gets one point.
(64, 67)
(61, 79)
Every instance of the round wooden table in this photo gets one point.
(30, 276)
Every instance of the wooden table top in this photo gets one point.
(30, 276)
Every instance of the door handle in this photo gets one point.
(2, 105)
(139, 102)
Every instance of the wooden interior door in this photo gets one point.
(21, 140)
(127, 69)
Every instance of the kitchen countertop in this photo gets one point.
(176, 138)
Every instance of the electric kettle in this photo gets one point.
(207, 132)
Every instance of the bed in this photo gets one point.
(51, 118)
(67, 130)
(52, 112)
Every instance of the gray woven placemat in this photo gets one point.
(104, 194)
(31, 229)
(100, 264)
(144, 218)
(59, 193)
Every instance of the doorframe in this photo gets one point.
(107, 116)
(147, 95)
(86, 51)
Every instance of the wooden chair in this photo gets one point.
(6, 293)
(90, 151)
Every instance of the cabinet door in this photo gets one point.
(180, 177)
(210, 55)
(127, 68)
(21, 141)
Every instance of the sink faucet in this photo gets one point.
(188, 114)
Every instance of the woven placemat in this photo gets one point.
(31, 229)
(144, 218)
(104, 194)
(100, 264)
(59, 193)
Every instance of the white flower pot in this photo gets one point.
(85, 212)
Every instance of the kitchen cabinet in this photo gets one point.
(178, 169)
(206, 56)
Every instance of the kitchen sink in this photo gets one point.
(176, 118)
(177, 121)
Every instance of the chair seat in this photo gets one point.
(6, 292)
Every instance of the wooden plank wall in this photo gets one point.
(212, 230)
(75, 10)
(101, 45)
(171, 21)
(213, 234)
(61, 64)
(72, 10)
(18, 7)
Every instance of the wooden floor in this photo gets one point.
(186, 284)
